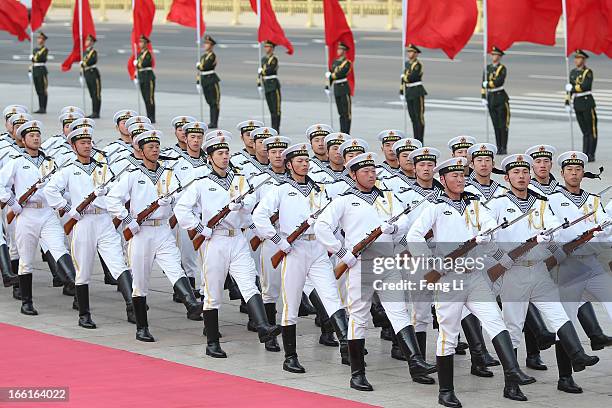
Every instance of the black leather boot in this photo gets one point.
(473, 331)
(358, 377)
(422, 340)
(291, 362)
(15, 269)
(327, 330)
(409, 345)
(446, 395)
(571, 343)
(25, 284)
(306, 308)
(257, 314)
(142, 324)
(462, 346)
(232, 288)
(513, 375)
(272, 344)
(8, 277)
(396, 351)
(108, 276)
(590, 324)
(339, 321)
(211, 323)
(535, 323)
(533, 360)
(184, 291)
(48, 258)
(82, 294)
(124, 283)
(66, 272)
(564, 364)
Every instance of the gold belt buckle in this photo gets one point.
(231, 233)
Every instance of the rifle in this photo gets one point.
(69, 225)
(278, 256)
(256, 241)
(577, 242)
(198, 239)
(362, 245)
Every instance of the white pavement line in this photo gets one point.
(290, 64)
(528, 53)
(398, 58)
(539, 101)
(536, 76)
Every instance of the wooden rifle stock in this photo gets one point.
(69, 225)
(278, 256)
(10, 215)
(198, 239)
(571, 246)
(497, 270)
(173, 221)
(434, 276)
(140, 218)
(341, 267)
(256, 241)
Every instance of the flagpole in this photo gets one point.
(198, 53)
(31, 73)
(485, 47)
(261, 96)
(567, 71)
(135, 53)
(82, 71)
(330, 89)
(404, 35)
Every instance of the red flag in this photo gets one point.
(270, 29)
(589, 26)
(89, 28)
(39, 11)
(143, 13)
(183, 12)
(443, 24)
(14, 18)
(337, 30)
(534, 21)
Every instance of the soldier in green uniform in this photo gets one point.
(413, 92)
(92, 76)
(146, 76)
(338, 78)
(579, 87)
(495, 97)
(38, 71)
(268, 78)
(209, 81)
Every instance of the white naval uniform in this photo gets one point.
(227, 249)
(246, 164)
(544, 189)
(9, 147)
(582, 272)
(452, 223)
(118, 148)
(528, 279)
(53, 142)
(174, 151)
(358, 214)
(316, 164)
(483, 191)
(325, 174)
(95, 231)
(295, 202)
(384, 170)
(37, 221)
(154, 241)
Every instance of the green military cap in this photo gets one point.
(343, 46)
(412, 47)
(210, 40)
(92, 38)
(581, 53)
(42, 35)
(145, 38)
(497, 51)
(269, 43)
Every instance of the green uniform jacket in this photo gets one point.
(496, 76)
(413, 72)
(40, 56)
(90, 58)
(208, 62)
(581, 80)
(341, 68)
(145, 60)
(269, 66)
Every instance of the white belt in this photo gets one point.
(410, 85)
(270, 77)
(499, 88)
(94, 210)
(207, 72)
(33, 205)
(89, 67)
(154, 223)
(145, 69)
(307, 237)
(341, 80)
(39, 64)
(227, 232)
(579, 94)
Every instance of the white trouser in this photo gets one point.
(580, 275)
(189, 256)
(93, 234)
(9, 235)
(421, 310)
(477, 297)
(248, 234)
(153, 244)
(270, 277)
(307, 259)
(2, 239)
(222, 254)
(524, 284)
(36, 225)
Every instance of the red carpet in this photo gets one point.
(100, 376)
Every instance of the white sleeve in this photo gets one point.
(53, 190)
(7, 179)
(327, 222)
(183, 209)
(415, 237)
(118, 195)
(264, 210)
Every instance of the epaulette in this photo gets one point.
(466, 195)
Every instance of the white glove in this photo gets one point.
(135, 62)
(197, 65)
(349, 259)
(327, 92)
(204, 231)
(311, 221)
(135, 80)
(30, 75)
(284, 246)
(41, 184)
(327, 75)
(16, 208)
(30, 56)
(165, 201)
(235, 206)
(568, 108)
(101, 191)
(73, 213)
(484, 102)
(81, 80)
(387, 228)
(198, 88)
(134, 227)
(260, 90)
(483, 239)
(568, 87)
(259, 71)
(543, 238)
(485, 84)
(402, 97)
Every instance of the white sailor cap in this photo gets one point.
(572, 158)
(539, 151)
(262, 133)
(83, 122)
(217, 133)
(81, 133)
(217, 142)
(461, 142)
(30, 126)
(147, 137)
(424, 154)
(276, 142)
(450, 165)
(123, 114)
(179, 121)
(482, 149)
(69, 117)
(72, 109)
(516, 160)
(137, 119)
(195, 127)
(19, 119)
(353, 145)
(336, 138)
(295, 150)
(13, 109)
(318, 129)
(248, 125)
(390, 135)
(407, 144)
(137, 128)
(361, 160)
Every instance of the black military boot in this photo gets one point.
(422, 340)
(409, 345)
(339, 321)
(396, 351)
(358, 377)
(535, 323)
(327, 330)
(214, 117)
(108, 276)
(275, 119)
(564, 364)
(124, 283)
(142, 323)
(473, 331)
(66, 272)
(533, 360)
(590, 324)
(211, 323)
(462, 346)
(194, 308)
(257, 313)
(571, 343)
(15, 269)
(513, 376)
(291, 363)
(8, 277)
(272, 344)
(48, 258)
(306, 308)
(446, 395)
(82, 294)
(25, 284)
(232, 288)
